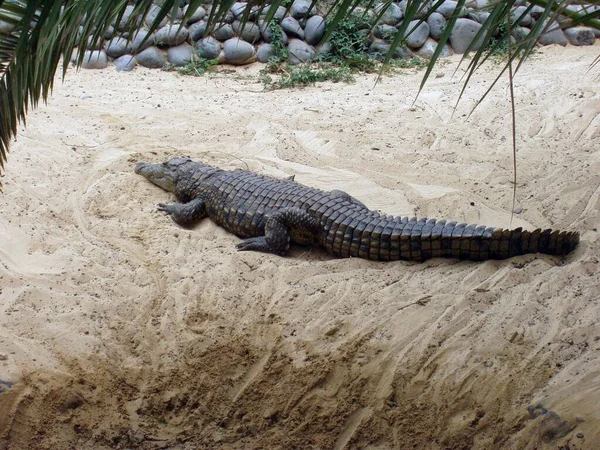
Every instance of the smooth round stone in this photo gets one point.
(520, 33)
(124, 22)
(463, 34)
(223, 32)
(94, 59)
(197, 30)
(554, 35)
(418, 36)
(250, 32)
(151, 58)
(171, 35)
(292, 26)
(366, 16)
(382, 48)
(97, 45)
(264, 52)
(136, 43)
(392, 15)
(117, 47)
(448, 9)
(267, 34)
(179, 14)
(110, 32)
(580, 36)
(429, 47)
(437, 25)
(324, 49)
(518, 12)
(238, 51)
(279, 14)
(301, 9)
(239, 8)
(153, 14)
(125, 63)
(197, 15)
(208, 48)
(314, 30)
(299, 51)
(180, 55)
(385, 32)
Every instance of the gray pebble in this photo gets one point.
(463, 35)
(291, 26)
(554, 35)
(180, 55)
(238, 51)
(239, 8)
(423, 8)
(264, 52)
(223, 32)
(266, 32)
(279, 14)
(197, 15)
(314, 30)
(518, 210)
(94, 43)
(580, 36)
(324, 48)
(299, 51)
(94, 59)
(392, 15)
(208, 48)
(520, 33)
(127, 16)
(437, 25)
(118, 46)
(138, 38)
(125, 63)
(427, 49)
(418, 35)
(248, 31)
(171, 35)
(381, 48)
(385, 32)
(525, 21)
(197, 30)
(151, 58)
(448, 8)
(153, 14)
(301, 9)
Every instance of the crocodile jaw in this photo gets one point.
(159, 174)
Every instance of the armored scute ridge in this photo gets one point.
(270, 214)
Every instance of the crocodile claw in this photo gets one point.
(167, 210)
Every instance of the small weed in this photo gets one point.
(308, 75)
(196, 67)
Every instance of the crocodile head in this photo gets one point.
(164, 175)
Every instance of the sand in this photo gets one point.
(119, 329)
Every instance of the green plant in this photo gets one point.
(278, 46)
(307, 75)
(197, 66)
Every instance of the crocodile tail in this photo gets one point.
(418, 240)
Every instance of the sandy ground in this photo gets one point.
(118, 329)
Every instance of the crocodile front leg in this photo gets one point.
(283, 227)
(184, 214)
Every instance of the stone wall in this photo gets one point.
(302, 29)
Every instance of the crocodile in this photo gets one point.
(269, 214)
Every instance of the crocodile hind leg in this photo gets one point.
(283, 227)
(184, 214)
